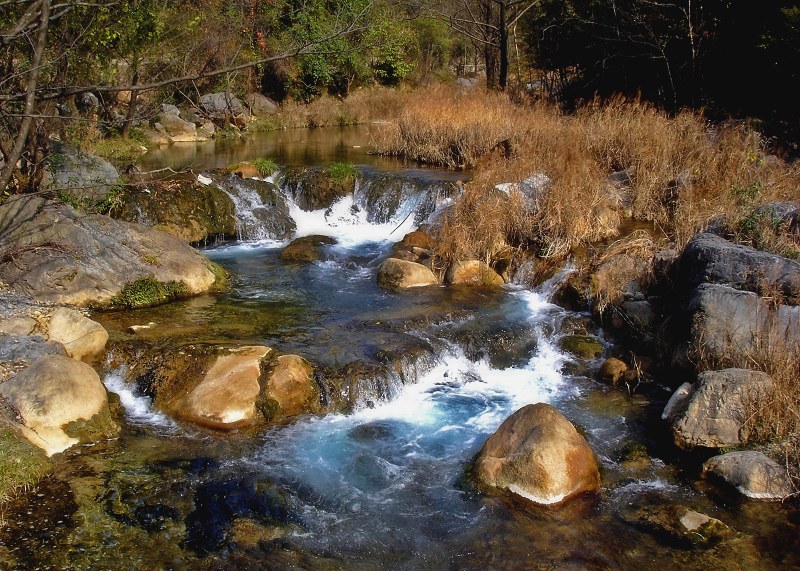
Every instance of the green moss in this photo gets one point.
(98, 427)
(221, 276)
(584, 346)
(22, 465)
(342, 171)
(269, 408)
(147, 291)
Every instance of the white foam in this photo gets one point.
(138, 409)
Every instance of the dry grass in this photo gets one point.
(681, 173)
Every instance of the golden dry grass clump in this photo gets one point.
(679, 173)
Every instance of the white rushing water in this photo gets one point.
(138, 409)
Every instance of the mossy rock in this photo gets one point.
(313, 189)
(679, 525)
(100, 426)
(221, 277)
(583, 346)
(147, 291)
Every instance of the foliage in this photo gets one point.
(147, 291)
(264, 166)
(342, 171)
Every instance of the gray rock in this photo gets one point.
(259, 105)
(85, 178)
(532, 188)
(783, 214)
(17, 325)
(23, 348)
(752, 473)
(222, 105)
(729, 324)
(178, 130)
(64, 257)
(716, 408)
(169, 109)
(639, 314)
(710, 258)
(678, 402)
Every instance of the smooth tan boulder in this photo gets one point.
(53, 392)
(472, 272)
(397, 274)
(752, 473)
(226, 397)
(537, 454)
(80, 336)
(290, 388)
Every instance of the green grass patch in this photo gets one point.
(116, 149)
(147, 291)
(22, 465)
(342, 171)
(265, 167)
(221, 276)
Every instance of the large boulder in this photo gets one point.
(713, 412)
(537, 454)
(81, 178)
(178, 130)
(398, 275)
(53, 395)
(226, 396)
(290, 388)
(260, 105)
(472, 272)
(52, 253)
(306, 249)
(187, 209)
(728, 323)
(80, 336)
(752, 473)
(710, 258)
(222, 105)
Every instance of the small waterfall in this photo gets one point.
(389, 197)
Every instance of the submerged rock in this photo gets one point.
(612, 371)
(537, 454)
(306, 249)
(583, 346)
(80, 336)
(472, 272)
(53, 392)
(716, 407)
(52, 253)
(752, 473)
(679, 524)
(397, 274)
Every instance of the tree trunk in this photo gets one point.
(129, 117)
(503, 35)
(30, 98)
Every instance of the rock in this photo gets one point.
(537, 454)
(67, 258)
(612, 371)
(710, 258)
(178, 130)
(27, 349)
(169, 109)
(226, 397)
(79, 177)
(206, 129)
(583, 346)
(679, 524)
(729, 324)
(533, 189)
(17, 326)
(621, 277)
(244, 169)
(53, 392)
(306, 249)
(315, 188)
(472, 272)
(397, 274)
(678, 402)
(259, 105)
(780, 215)
(752, 473)
(80, 336)
(717, 407)
(222, 105)
(416, 239)
(186, 209)
(638, 314)
(290, 389)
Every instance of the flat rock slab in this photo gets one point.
(57, 255)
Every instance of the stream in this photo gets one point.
(386, 485)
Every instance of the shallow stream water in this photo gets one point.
(386, 485)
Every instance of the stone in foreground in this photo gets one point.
(752, 473)
(54, 392)
(290, 389)
(716, 407)
(537, 454)
(473, 272)
(397, 275)
(80, 336)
